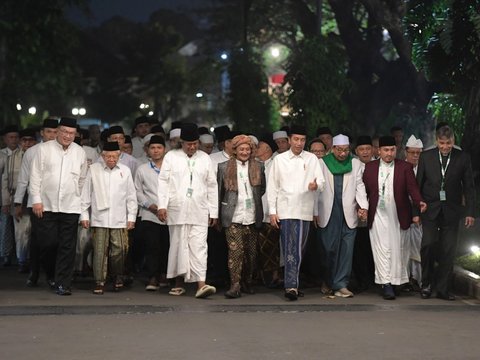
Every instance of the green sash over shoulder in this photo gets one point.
(338, 167)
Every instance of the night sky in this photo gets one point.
(138, 10)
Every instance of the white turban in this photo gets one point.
(280, 135)
(147, 138)
(175, 133)
(414, 142)
(206, 139)
(340, 139)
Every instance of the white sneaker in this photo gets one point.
(344, 293)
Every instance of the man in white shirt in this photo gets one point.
(154, 231)
(293, 182)
(116, 134)
(7, 240)
(48, 133)
(337, 213)
(57, 176)
(110, 194)
(188, 202)
(142, 128)
(206, 143)
(9, 185)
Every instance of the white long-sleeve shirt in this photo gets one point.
(266, 213)
(218, 158)
(242, 214)
(120, 197)
(24, 175)
(57, 177)
(287, 186)
(146, 184)
(181, 173)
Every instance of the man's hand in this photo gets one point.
(153, 209)
(212, 222)
(18, 212)
(162, 215)
(423, 207)
(37, 210)
(316, 221)
(85, 224)
(313, 186)
(362, 214)
(130, 225)
(416, 220)
(469, 221)
(275, 221)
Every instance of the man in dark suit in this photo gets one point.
(390, 183)
(445, 179)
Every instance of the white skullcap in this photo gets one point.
(340, 139)
(175, 133)
(280, 135)
(254, 139)
(206, 139)
(414, 142)
(147, 138)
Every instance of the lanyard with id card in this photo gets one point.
(191, 165)
(442, 193)
(248, 200)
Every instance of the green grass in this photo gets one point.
(469, 262)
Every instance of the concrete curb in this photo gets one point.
(466, 282)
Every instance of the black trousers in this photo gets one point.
(157, 243)
(34, 248)
(363, 266)
(217, 261)
(57, 240)
(439, 243)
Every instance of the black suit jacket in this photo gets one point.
(459, 187)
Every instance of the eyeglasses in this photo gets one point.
(342, 150)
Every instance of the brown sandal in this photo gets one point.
(99, 289)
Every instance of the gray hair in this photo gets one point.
(445, 132)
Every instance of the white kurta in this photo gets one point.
(389, 241)
(287, 186)
(57, 177)
(120, 195)
(24, 175)
(187, 188)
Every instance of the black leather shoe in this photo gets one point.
(426, 292)
(51, 284)
(447, 296)
(63, 291)
(388, 293)
(291, 294)
(32, 279)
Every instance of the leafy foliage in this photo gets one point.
(318, 84)
(248, 99)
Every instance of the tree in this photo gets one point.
(36, 62)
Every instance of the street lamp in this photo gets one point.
(19, 107)
(275, 51)
(75, 111)
(199, 95)
(82, 111)
(224, 56)
(32, 110)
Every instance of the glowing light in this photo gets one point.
(75, 111)
(150, 113)
(199, 95)
(275, 52)
(82, 111)
(224, 56)
(19, 107)
(475, 249)
(32, 110)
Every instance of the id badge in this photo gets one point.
(248, 203)
(381, 204)
(189, 192)
(443, 195)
